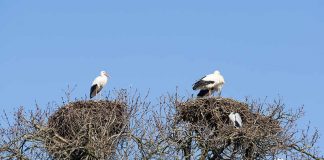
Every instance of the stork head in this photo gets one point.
(104, 73)
(216, 72)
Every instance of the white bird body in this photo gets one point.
(100, 80)
(98, 84)
(209, 84)
(236, 119)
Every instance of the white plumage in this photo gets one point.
(236, 119)
(209, 84)
(98, 83)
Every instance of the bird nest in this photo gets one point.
(212, 114)
(86, 129)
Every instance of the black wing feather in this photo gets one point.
(237, 124)
(201, 83)
(93, 90)
(203, 93)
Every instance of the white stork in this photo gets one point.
(236, 119)
(209, 84)
(98, 83)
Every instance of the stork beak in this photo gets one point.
(107, 75)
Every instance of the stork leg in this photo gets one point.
(98, 96)
(219, 94)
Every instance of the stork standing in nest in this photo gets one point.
(236, 119)
(99, 83)
(209, 84)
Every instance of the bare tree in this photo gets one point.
(201, 129)
(128, 126)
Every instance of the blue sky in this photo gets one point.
(263, 49)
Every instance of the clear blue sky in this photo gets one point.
(263, 48)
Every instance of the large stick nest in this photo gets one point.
(86, 129)
(258, 135)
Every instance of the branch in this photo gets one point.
(299, 149)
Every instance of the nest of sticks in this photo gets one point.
(86, 129)
(257, 135)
